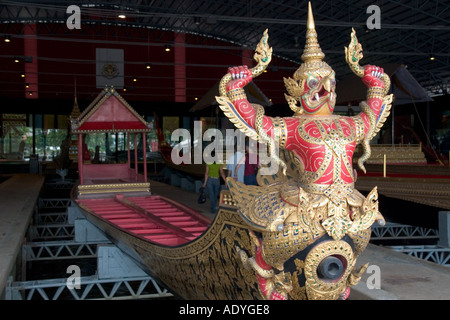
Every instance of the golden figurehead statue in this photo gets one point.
(308, 222)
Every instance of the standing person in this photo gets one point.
(235, 170)
(213, 172)
(251, 165)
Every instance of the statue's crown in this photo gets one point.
(312, 54)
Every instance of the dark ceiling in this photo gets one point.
(216, 34)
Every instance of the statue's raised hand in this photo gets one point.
(240, 77)
(372, 76)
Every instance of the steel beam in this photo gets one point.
(91, 288)
(392, 231)
(56, 250)
(430, 253)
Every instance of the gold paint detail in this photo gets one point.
(280, 131)
(113, 188)
(317, 288)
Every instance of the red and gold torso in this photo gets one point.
(324, 146)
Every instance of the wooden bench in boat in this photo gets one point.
(111, 178)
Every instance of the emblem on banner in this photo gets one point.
(110, 70)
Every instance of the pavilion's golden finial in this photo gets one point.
(75, 110)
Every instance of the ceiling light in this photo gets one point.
(27, 85)
(22, 75)
(134, 79)
(7, 38)
(30, 93)
(167, 48)
(148, 66)
(16, 59)
(432, 58)
(122, 16)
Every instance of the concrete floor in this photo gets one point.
(18, 197)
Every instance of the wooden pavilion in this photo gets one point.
(110, 113)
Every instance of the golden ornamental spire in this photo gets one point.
(75, 110)
(312, 51)
(312, 54)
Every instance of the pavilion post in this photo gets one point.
(144, 154)
(135, 155)
(80, 157)
(128, 150)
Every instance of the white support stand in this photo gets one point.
(444, 229)
(87, 232)
(84, 230)
(73, 213)
(112, 263)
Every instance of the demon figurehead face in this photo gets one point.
(313, 85)
(319, 95)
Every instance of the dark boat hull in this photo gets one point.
(206, 268)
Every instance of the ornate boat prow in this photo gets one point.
(192, 256)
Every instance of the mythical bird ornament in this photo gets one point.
(309, 223)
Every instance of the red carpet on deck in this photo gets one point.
(149, 217)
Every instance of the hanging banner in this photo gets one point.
(109, 68)
(49, 121)
(12, 122)
(63, 121)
